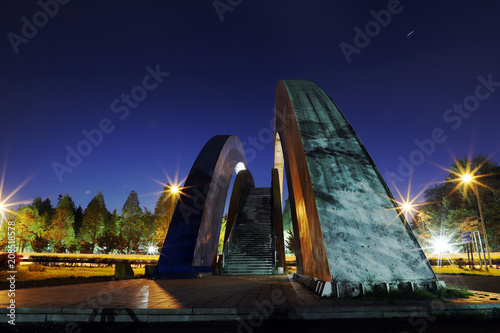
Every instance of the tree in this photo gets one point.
(4, 230)
(120, 243)
(40, 240)
(107, 242)
(448, 204)
(114, 222)
(39, 243)
(287, 216)
(164, 209)
(43, 207)
(147, 223)
(222, 234)
(27, 222)
(78, 221)
(290, 242)
(95, 218)
(131, 222)
(61, 231)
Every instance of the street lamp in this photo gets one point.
(174, 189)
(467, 179)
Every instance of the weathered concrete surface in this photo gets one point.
(190, 246)
(346, 227)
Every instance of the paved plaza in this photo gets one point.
(247, 299)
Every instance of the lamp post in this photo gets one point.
(467, 178)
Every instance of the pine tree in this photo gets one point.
(95, 218)
(164, 209)
(148, 229)
(61, 232)
(78, 221)
(131, 224)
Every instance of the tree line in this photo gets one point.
(448, 204)
(41, 227)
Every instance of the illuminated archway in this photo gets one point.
(190, 247)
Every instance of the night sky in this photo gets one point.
(399, 71)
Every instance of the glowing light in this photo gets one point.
(152, 249)
(440, 245)
(174, 189)
(239, 167)
(405, 206)
(4, 203)
(3, 209)
(466, 178)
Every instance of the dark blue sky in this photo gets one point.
(71, 74)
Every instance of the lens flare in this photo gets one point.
(440, 245)
(406, 206)
(152, 250)
(174, 189)
(466, 178)
(5, 205)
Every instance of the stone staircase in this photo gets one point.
(251, 247)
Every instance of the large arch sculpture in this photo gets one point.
(190, 246)
(347, 228)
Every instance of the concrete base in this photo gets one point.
(321, 288)
(354, 289)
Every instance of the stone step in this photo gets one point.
(250, 250)
(236, 263)
(248, 267)
(248, 272)
(261, 271)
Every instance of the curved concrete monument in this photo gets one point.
(349, 236)
(347, 228)
(190, 247)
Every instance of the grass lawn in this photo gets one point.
(494, 256)
(95, 256)
(465, 271)
(24, 274)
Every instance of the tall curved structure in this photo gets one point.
(347, 228)
(349, 233)
(190, 247)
